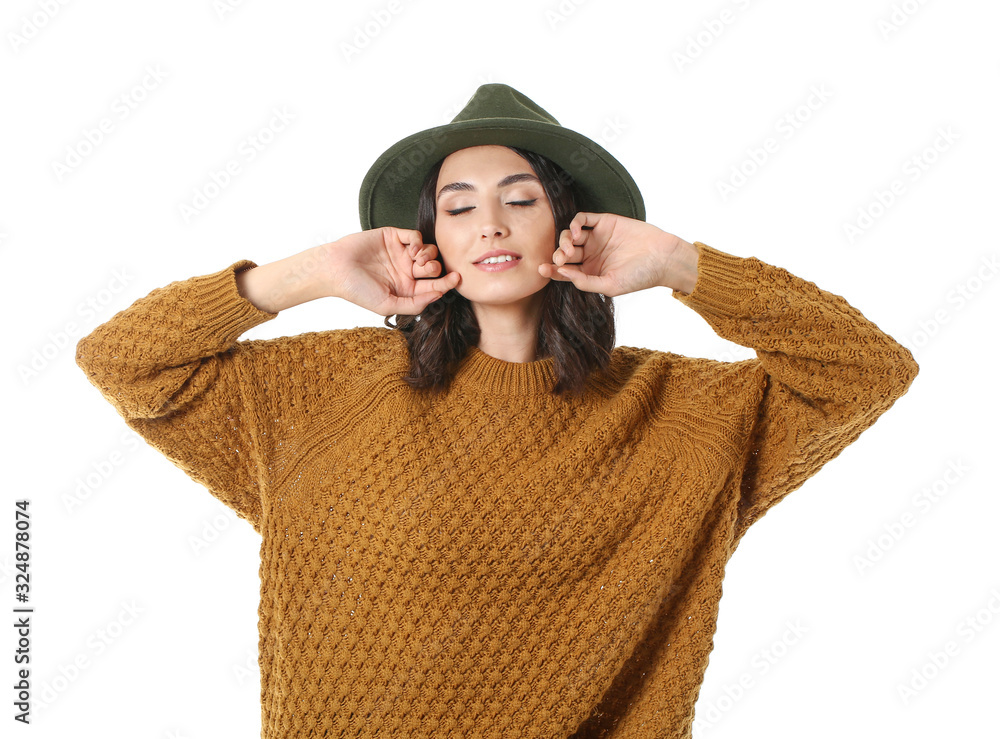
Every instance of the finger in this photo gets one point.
(426, 253)
(411, 306)
(413, 240)
(583, 222)
(582, 281)
(567, 254)
(571, 248)
(551, 271)
(426, 268)
(442, 284)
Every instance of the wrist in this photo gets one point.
(307, 274)
(680, 272)
(285, 283)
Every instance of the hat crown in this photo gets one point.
(497, 100)
(496, 114)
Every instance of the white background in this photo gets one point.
(111, 229)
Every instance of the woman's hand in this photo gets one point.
(381, 269)
(621, 255)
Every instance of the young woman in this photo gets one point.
(487, 520)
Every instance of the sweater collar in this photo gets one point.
(481, 371)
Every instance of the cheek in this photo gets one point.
(547, 237)
(444, 231)
(444, 248)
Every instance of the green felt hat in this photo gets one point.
(496, 114)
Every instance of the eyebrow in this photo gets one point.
(508, 180)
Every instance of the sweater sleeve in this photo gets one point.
(828, 373)
(171, 365)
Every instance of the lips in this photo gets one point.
(496, 253)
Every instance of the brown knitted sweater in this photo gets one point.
(498, 562)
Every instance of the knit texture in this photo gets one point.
(500, 561)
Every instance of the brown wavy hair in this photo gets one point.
(577, 328)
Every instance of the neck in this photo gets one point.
(510, 332)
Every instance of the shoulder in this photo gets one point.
(628, 360)
(630, 364)
(689, 397)
(332, 349)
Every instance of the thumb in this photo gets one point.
(581, 280)
(415, 305)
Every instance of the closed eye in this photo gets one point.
(459, 211)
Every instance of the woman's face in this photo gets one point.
(489, 197)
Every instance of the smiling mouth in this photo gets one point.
(506, 265)
(499, 260)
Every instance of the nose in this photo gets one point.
(493, 223)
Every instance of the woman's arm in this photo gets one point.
(285, 283)
(682, 272)
(170, 366)
(823, 374)
(826, 372)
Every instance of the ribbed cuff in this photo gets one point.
(227, 314)
(722, 287)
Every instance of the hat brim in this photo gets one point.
(391, 188)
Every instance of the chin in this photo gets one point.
(509, 294)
